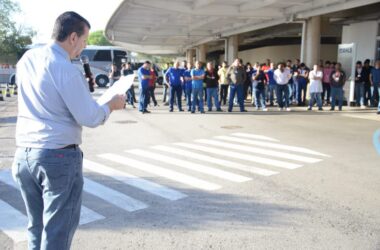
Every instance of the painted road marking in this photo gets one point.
(12, 222)
(163, 172)
(273, 153)
(225, 163)
(134, 181)
(240, 156)
(252, 136)
(278, 146)
(190, 165)
(112, 196)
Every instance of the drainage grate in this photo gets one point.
(126, 122)
(231, 127)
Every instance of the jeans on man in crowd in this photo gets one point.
(359, 93)
(164, 92)
(315, 97)
(336, 92)
(259, 97)
(291, 87)
(188, 98)
(144, 99)
(271, 92)
(175, 90)
(326, 92)
(212, 93)
(301, 91)
(238, 89)
(131, 95)
(223, 93)
(152, 95)
(51, 184)
(367, 94)
(373, 93)
(197, 99)
(283, 95)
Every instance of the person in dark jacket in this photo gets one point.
(337, 79)
(236, 76)
(211, 80)
(359, 85)
(259, 89)
(131, 96)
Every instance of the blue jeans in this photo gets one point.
(283, 93)
(317, 97)
(291, 87)
(212, 93)
(372, 94)
(130, 95)
(301, 91)
(188, 98)
(236, 89)
(271, 92)
(259, 97)
(359, 93)
(197, 98)
(51, 184)
(336, 91)
(175, 91)
(144, 99)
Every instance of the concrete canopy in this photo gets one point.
(172, 26)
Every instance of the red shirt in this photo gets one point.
(152, 81)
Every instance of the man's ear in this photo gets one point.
(73, 38)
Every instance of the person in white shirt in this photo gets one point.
(316, 76)
(282, 76)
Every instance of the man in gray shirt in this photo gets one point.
(236, 77)
(54, 103)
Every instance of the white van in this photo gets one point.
(101, 59)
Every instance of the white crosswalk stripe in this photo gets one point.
(227, 153)
(225, 163)
(191, 165)
(252, 136)
(87, 215)
(272, 145)
(163, 172)
(12, 222)
(272, 153)
(134, 181)
(112, 196)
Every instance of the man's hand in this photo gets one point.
(117, 102)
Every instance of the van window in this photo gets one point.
(89, 53)
(103, 55)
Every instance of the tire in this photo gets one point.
(160, 80)
(102, 80)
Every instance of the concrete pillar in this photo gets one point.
(190, 55)
(232, 48)
(201, 55)
(312, 47)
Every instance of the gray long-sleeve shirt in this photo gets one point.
(236, 75)
(54, 101)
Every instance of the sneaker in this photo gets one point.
(193, 112)
(280, 109)
(288, 109)
(229, 110)
(170, 110)
(219, 110)
(309, 108)
(209, 110)
(265, 109)
(363, 107)
(202, 112)
(332, 109)
(181, 110)
(146, 111)
(340, 109)
(378, 112)
(320, 109)
(244, 110)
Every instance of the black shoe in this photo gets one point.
(340, 109)
(244, 110)
(320, 109)
(193, 112)
(378, 112)
(181, 110)
(229, 110)
(219, 110)
(170, 110)
(209, 110)
(146, 111)
(332, 109)
(202, 112)
(309, 109)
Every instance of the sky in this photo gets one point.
(40, 15)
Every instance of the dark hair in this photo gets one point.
(327, 62)
(302, 65)
(359, 62)
(147, 62)
(67, 23)
(367, 61)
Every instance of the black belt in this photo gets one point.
(70, 146)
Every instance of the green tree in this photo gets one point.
(13, 39)
(98, 38)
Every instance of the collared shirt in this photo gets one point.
(187, 83)
(174, 76)
(144, 83)
(375, 75)
(223, 76)
(270, 77)
(54, 101)
(281, 78)
(197, 84)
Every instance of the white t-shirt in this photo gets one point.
(282, 78)
(315, 85)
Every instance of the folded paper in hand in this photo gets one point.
(118, 88)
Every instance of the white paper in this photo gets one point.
(118, 88)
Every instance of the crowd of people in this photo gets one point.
(264, 84)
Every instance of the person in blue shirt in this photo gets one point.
(374, 78)
(271, 83)
(174, 77)
(197, 76)
(187, 85)
(144, 76)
